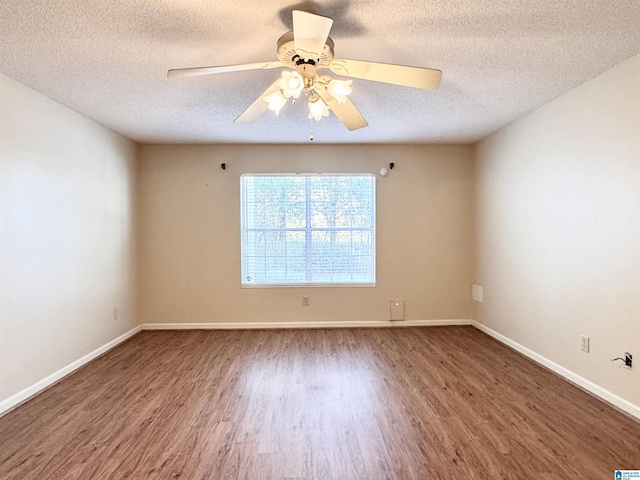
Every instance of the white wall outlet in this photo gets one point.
(584, 343)
(396, 310)
(477, 293)
(115, 314)
(306, 301)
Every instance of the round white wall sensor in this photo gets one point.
(384, 172)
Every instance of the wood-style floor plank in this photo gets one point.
(415, 403)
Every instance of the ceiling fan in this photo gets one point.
(304, 51)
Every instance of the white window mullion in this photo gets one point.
(308, 235)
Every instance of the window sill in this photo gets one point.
(311, 285)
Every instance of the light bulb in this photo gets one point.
(339, 90)
(317, 108)
(291, 84)
(276, 101)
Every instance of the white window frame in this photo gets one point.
(308, 229)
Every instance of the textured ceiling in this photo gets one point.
(500, 59)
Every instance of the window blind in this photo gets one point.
(303, 229)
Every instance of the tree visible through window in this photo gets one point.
(303, 229)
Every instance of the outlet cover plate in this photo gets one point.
(584, 343)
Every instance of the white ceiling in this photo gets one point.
(500, 59)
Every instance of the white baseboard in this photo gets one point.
(622, 404)
(286, 325)
(41, 385)
(606, 395)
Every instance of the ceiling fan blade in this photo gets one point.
(310, 33)
(189, 72)
(258, 107)
(416, 77)
(347, 112)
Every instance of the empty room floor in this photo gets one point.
(395, 403)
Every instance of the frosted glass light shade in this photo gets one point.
(317, 108)
(276, 101)
(339, 90)
(291, 84)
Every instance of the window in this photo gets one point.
(304, 229)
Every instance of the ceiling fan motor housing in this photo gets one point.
(288, 55)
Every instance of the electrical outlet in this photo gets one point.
(115, 314)
(306, 301)
(628, 360)
(584, 343)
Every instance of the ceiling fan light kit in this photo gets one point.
(275, 101)
(339, 89)
(304, 51)
(317, 108)
(291, 84)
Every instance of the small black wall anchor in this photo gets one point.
(223, 166)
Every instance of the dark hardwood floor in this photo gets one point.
(415, 403)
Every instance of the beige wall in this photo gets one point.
(558, 216)
(189, 210)
(66, 236)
